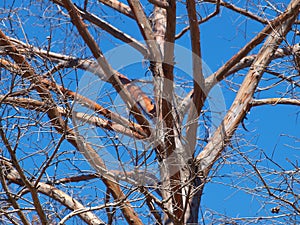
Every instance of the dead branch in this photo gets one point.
(53, 114)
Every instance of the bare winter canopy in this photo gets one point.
(116, 112)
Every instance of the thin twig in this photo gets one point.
(213, 14)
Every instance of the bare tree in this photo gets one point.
(110, 114)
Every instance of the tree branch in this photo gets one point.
(110, 29)
(242, 102)
(123, 125)
(88, 152)
(275, 101)
(39, 106)
(216, 12)
(119, 6)
(160, 3)
(199, 95)
(54, 193)
(52, 113)
(266, 186)
(240, 60)
(248, 60)
(241, 11)
(146, 30)
(108, 71)
(66, 61)
(11, 199)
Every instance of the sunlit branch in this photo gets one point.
(146, 30)
(124, 177)
(168, 67)
(266, 186)
(275, 101)
(248, 60)
(282, 77)
(165, 129)
(166, 95)
(119, 6)
(199, 94)
(162, 4)
(220, 74)
(242, 102)
(136, 128)
(127, 210)
(136, 177)
(13, 176)
(161, 204)
(152, 208)
(240, 61)
(197, 100)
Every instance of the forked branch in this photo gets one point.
(66, 61)
(242, 102)
(110, 29)
(109, 72)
